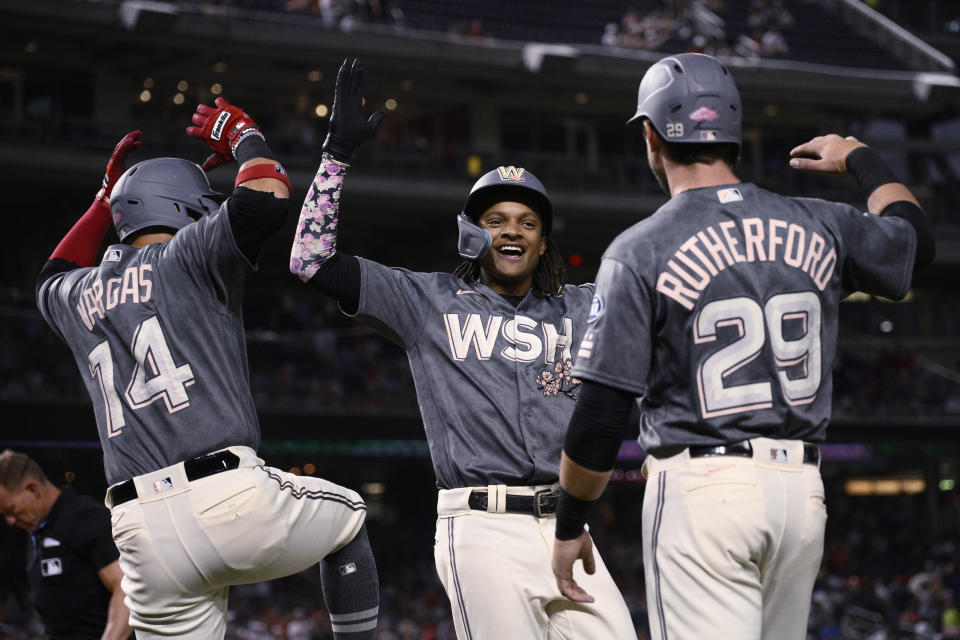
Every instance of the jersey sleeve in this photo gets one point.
(617, 346)
(590, 288)
(53, 297)
(395, 302)
(879, 252)
(207, 253)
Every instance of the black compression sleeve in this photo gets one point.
(253, 146)
(597, 426)
(572, 514)
(869, 169)
(926, 247)
(254, 217)
(52, 268)
(339, 277)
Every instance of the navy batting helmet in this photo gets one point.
(690, 97)
(163, 192)
(514, 184)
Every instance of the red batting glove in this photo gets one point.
(215, 160)
(117, 163)
(222, 128)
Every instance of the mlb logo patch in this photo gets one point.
(113, 255)
(729, 195)
(163, 484)
(778, 455)
(708, 135)
(348, 568)
(51, 567)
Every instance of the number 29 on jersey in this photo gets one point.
(756, 326)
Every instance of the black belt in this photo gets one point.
(811, 454)
(541, 504)
(196, 468)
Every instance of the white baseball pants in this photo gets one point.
(495, 568)
(182, 548)
(732, 545)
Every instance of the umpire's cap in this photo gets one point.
(163, 192)
(514, 184)
(690, 97)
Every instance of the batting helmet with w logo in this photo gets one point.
(508, 183)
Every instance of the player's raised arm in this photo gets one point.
(259, 203)
(315, 242)
(79, 247)
(885, 195)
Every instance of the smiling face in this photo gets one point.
(515, 248)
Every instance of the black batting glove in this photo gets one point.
(349, 128)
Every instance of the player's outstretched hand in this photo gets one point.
(565, 553)
(222, 127)
(349, 128)
(117, 163)
(824, 154)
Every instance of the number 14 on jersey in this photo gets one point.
(155, 375)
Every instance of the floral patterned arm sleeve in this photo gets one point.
(316, 239)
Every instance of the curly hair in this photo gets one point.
(548, 278)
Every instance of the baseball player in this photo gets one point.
(157, 332)
(719, 313)
(490, 348)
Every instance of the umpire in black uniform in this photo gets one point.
(73, 562)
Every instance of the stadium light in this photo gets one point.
(373, 488)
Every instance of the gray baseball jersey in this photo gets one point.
(493, 381)
(720, 310)
(158, 335)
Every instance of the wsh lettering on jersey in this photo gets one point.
(516, 338)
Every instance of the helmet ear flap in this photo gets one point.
(473, 241)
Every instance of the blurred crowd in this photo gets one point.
(333, 14)
(891, 383)
(713, 27)
(887, 573)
